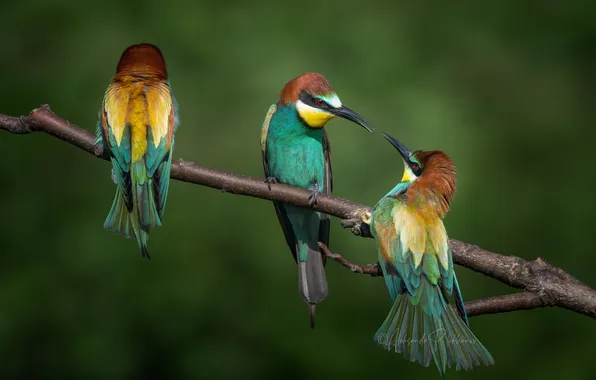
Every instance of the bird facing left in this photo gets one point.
(137, 121)
(428, 320)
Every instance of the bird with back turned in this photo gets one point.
(137, 121)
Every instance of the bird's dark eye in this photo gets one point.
(319, 102)
(415, 167)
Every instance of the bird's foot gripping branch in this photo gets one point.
(358, 226)
(543, 284)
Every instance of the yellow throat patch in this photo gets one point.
(313, 117)
(408, 176)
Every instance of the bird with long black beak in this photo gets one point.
(428, 319)
(296, 152)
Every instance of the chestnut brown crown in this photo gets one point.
(142, 59)
(313, 83)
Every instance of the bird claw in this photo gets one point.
(314, 196)
(357, 227)
(356, 268)
(114, 179)
(350, 223)
(270, 181)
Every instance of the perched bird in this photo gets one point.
(295, 151)
(136, 126)
(428, 318)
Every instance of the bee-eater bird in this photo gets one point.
(428, 317)
(296, 152)
(138, 118)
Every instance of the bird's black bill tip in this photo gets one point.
(348, 114)
(312, 308)
(403, 150)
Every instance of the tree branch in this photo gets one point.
(504, 304)
(544, 284)
(491, 305)
(372, 269)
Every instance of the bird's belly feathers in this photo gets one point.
(299, 163)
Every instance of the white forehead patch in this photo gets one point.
(333, 100)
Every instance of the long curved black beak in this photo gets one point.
(348, 114)
(402, 149)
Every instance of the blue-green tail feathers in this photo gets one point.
(142, 214)
(426, 326)
(118, 219)
(145, 205)
(121, 221)
(142, 190)
(142, 235)
(139, 202)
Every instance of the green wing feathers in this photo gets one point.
(325, 223)
(161, 182)
(427, 319)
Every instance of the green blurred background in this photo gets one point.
(506, 88)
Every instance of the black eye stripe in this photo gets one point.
(310, 100)
(416, 169)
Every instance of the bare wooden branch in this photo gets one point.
(372, 269)
(544, 284)
(504, 303)
(490, 305)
